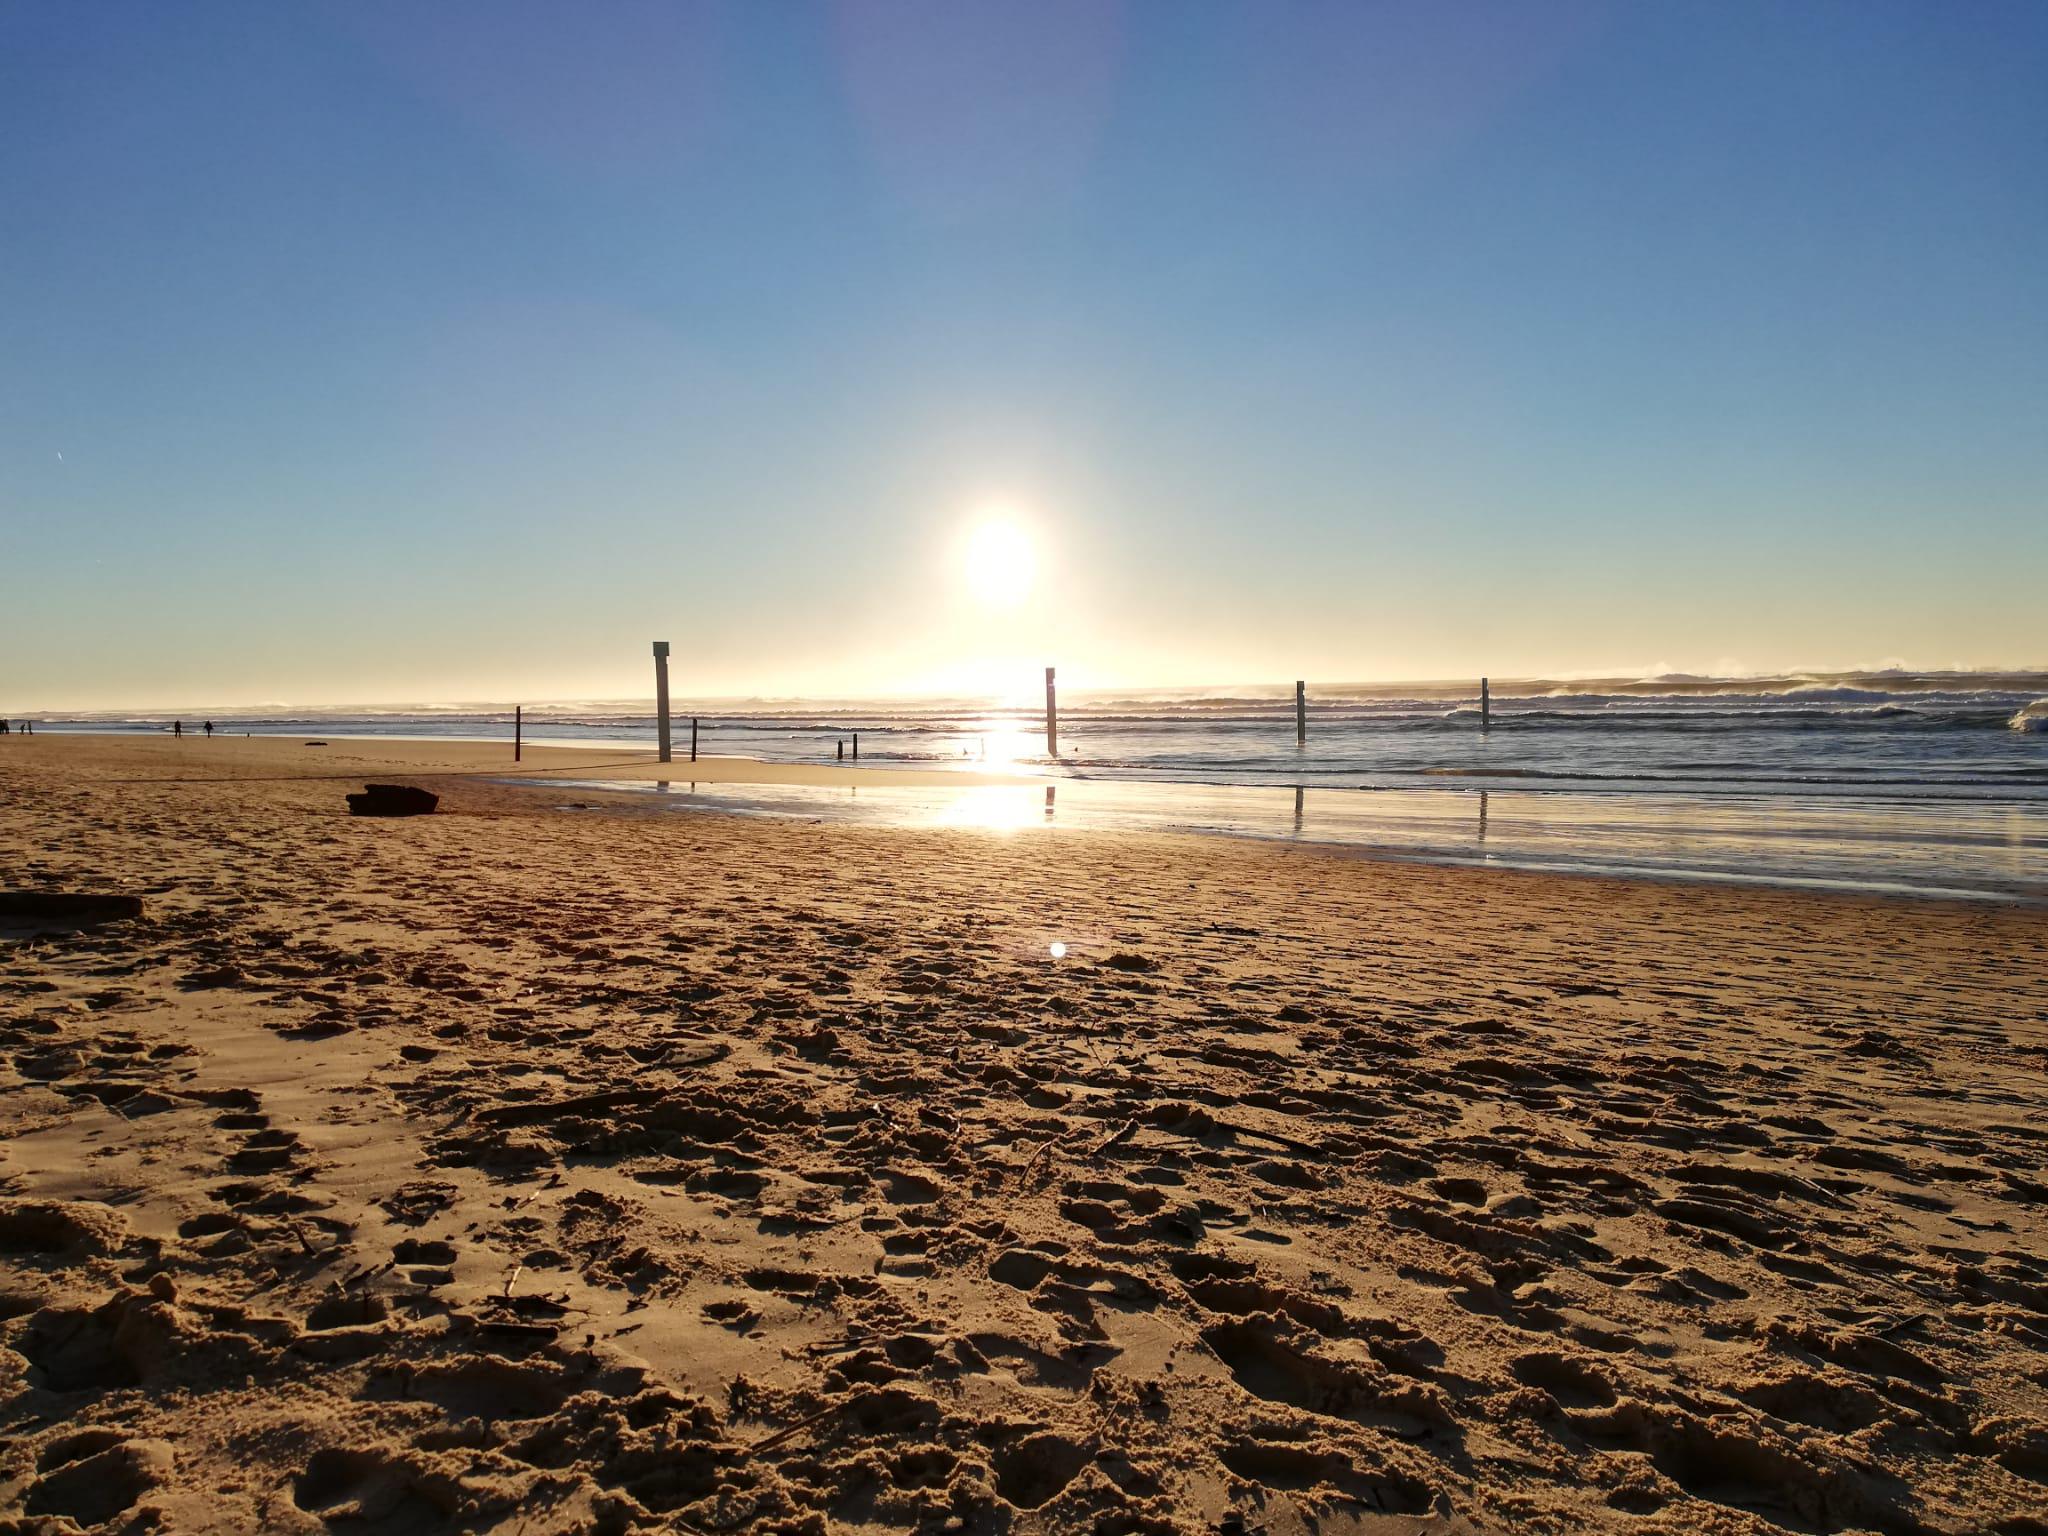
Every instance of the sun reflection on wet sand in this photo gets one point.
(1954, 847)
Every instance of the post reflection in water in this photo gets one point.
(1297, 810)
(1482, 815)
(1048, 802)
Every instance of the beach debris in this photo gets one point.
(559, 1109)
(588, 1103)
(782, 1436)
(392, 800)
(1116, 1139)
(1193, 1121)
(75, 909)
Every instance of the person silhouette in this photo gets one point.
(209, 728)
(177, 728)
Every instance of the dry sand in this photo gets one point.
(525, 1170)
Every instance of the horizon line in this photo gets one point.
(1282, 689)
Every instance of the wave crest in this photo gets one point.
(2032, 717)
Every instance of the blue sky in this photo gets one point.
(416, 351)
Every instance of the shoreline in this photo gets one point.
(1387, 766)
(1918, 848)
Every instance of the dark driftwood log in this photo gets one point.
(68, 906)
(392, 800)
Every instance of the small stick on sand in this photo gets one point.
(615, 1098)
(782, 1435)
(1044, 1147)
(1123, 1134)
(555, 1109)
(1190, 1121)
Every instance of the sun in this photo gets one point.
(999, 562)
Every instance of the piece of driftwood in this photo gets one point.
(393, 800)
(510, 1328)
(1044, 1147)
(590, 1103)
(1116, 1139)
(558, 1109)
(1189, 1120)
(78, 907)
(792, 1431)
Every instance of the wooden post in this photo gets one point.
(856, 746)
(693, 738)
(1485, 705)
(518, 721)
(1300, 714)
(1052, 718)
(661, 696)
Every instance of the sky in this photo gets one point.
(414, 351)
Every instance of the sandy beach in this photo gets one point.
(557, 1164)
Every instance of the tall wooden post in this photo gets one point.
(1485, 705)
(856, 746)
(518, 722)
(693, 738)
(1301, 714)
(1052, 718)
(661, 696)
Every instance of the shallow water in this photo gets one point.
(1931, 847)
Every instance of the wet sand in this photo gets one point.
(529, 1169)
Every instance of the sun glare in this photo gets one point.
(999, 563)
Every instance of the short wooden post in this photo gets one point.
(1052, 718)
(1485, 705)
(1300, 714)
(842, 750)
(693, 738)
(518, 722)
(856, 746)
(661, 696)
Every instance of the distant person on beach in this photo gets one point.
(3, 727)
(209, 728)
(177, 728)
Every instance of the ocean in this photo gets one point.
(1890, 734)
(1929, 782)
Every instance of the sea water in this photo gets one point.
(1977, 735)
